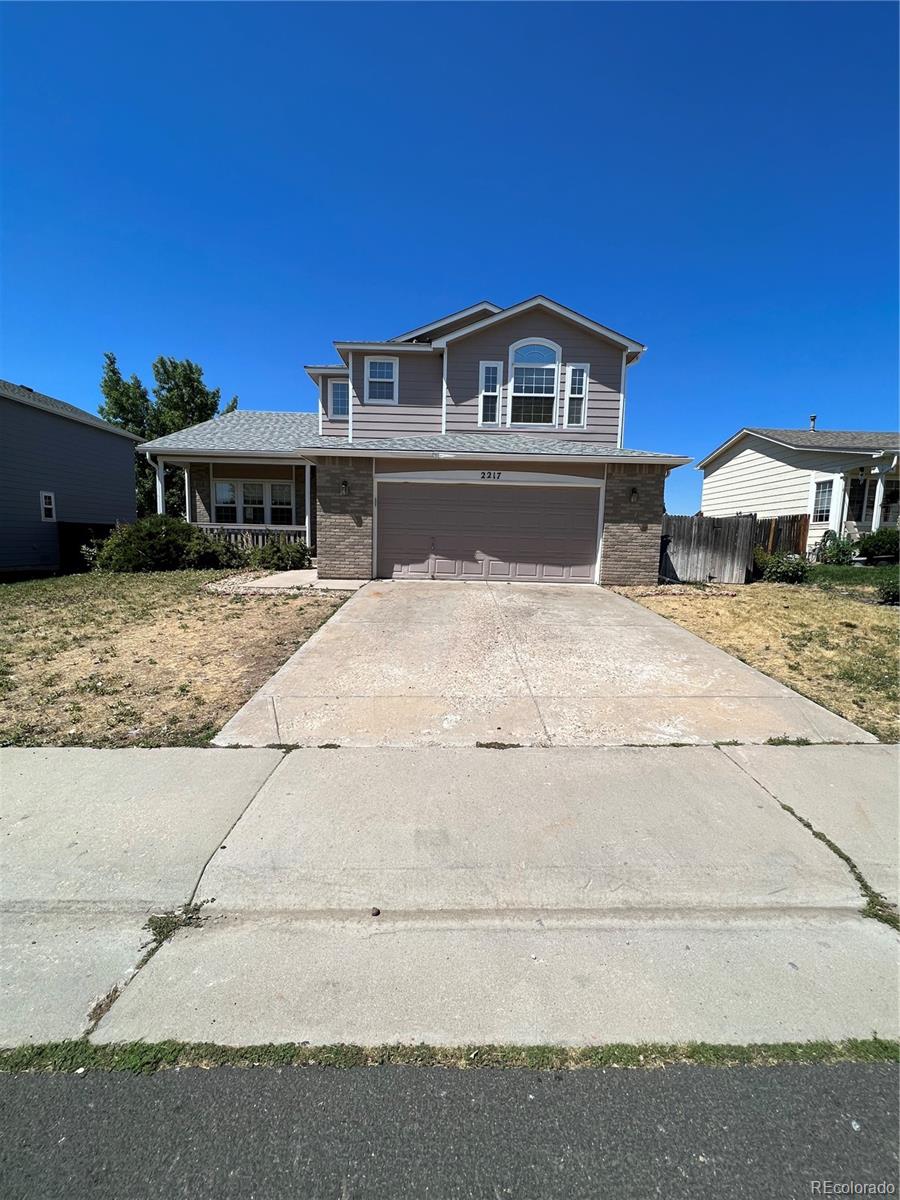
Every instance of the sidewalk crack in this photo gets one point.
(512, 644)
(877, 906)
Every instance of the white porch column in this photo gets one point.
(306, 471)
(838, 495)
(879, 500)
(160, 486)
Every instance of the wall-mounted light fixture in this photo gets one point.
(345, 488)
(634, 495)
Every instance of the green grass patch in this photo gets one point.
(872, 577)
(144, 1058)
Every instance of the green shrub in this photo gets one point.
(883, 543)
(835, 551)
(278, 554)
(760, 558)
(786, 568)
(889, 593)
(161, 543)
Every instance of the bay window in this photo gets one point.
(534, 369)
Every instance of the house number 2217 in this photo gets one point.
(491, 474)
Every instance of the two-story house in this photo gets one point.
(487, 444)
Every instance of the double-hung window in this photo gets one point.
(576, 393)
(48, 506)
(253, 502)
(382, 380)
(490, 378)
(535, 381)
(822, 502)
(338, 399)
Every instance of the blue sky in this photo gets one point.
(240, 184)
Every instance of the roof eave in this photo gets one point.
(632, 348)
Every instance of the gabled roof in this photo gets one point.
(632, 348)
(475, 311)
(295, 434)
(59, 408)
(833, 441)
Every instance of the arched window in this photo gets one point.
(534, 382)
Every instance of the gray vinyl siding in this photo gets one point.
(418, 410)
(328, 425)
(89, 471)
(579, 345)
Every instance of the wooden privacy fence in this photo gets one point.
(720, 549)
(788, 533)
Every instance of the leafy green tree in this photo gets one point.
(180, 399)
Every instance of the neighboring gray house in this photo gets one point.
(65, 473)
(845, 480)
(487, 444)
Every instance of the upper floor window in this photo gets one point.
(490, 376)
(338, 398)
(822, 502)
(382, 380)
(576, 393)
(535, 376)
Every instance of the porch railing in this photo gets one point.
(257, 535)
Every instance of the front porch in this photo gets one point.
(247, 501)
(860, 498)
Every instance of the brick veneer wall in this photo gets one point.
(344, 523)
(632, 530)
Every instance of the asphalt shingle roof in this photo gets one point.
(59, 408)
(292, 432)
(832, 439)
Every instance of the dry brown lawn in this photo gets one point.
(836, 646)
(139, 660)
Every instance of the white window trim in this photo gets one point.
(570, 367)
(238, 485)
(331, 416)
(52, 496)
(817, 483)
(557, 349)
(499, 421)
(370, 358)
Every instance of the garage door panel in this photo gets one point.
(512, 534)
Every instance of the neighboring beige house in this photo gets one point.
(487, 444)
(845, 480)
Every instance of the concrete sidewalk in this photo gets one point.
(527, 895)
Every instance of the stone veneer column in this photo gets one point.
(632, 528)
(344, 506)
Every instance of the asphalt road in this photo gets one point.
(410, 1132)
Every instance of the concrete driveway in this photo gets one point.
(463, 664)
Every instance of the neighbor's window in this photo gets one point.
(534, 369)
(48, 506)
(226, 502)
(338, 398)
(381, 380)
(282, 503)
(822, 502)
(576, 393)
(489, 377)
(253, 503)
